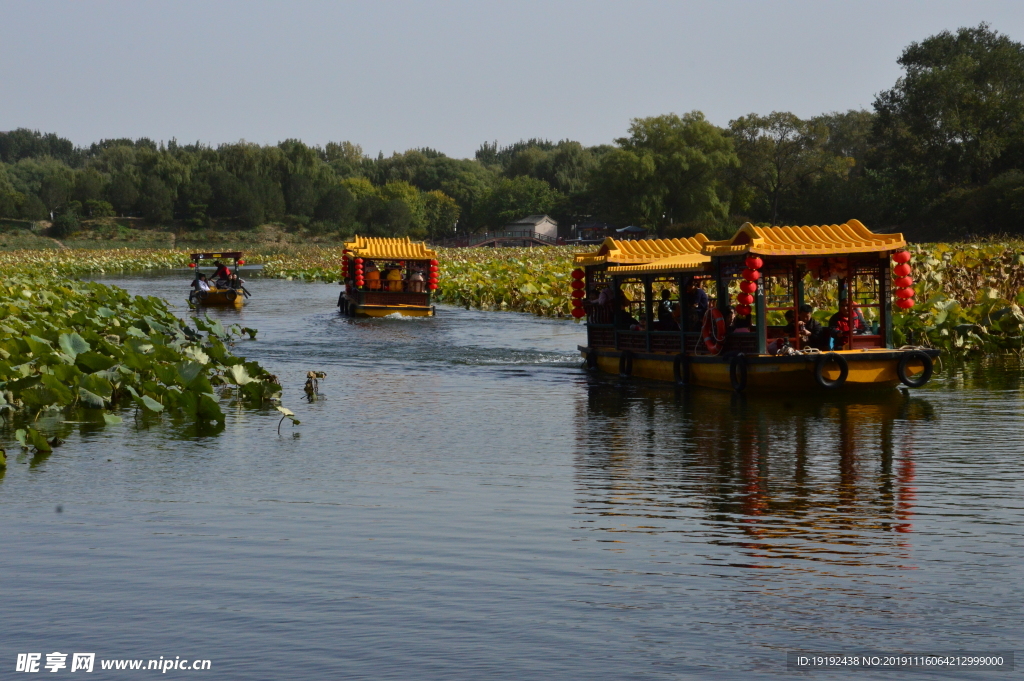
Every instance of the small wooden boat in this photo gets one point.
(387, 276)
(226, 292)
(771, 345)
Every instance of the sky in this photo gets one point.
(396, 75)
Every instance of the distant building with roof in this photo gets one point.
(542, 225)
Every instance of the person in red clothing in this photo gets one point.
(222, 272)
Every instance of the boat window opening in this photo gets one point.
(597, 281)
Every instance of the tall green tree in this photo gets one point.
(779, 153)
(670, 169)
(440, 214)
(514, 198)
(956, 116)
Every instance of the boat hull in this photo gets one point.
(388, 310)
(220, 298)
(869, 369)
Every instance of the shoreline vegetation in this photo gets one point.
(970, 295)
(74, 352)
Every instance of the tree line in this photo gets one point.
(943, 149)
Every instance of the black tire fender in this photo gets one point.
(822, 362)
(232, 296)
(626, 364)
(738, 372)
(681, 369)
(901, 369)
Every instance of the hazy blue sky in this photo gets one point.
(448, 75)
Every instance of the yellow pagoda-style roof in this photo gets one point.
(389, 249)
(688, 262)
(640, 251)
(850, 237)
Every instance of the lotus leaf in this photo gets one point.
(188, 371)
(90, 399)
(73, 344)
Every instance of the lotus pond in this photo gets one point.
(463, 501)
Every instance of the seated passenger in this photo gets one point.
(200, 283)
(809, 328)
(609, 294)
(666, 313)
(394, 280)
(624, 321)
(417, 282)
(839, 326)
(734, 324)
(372, 277)
(862, 325)
(235, 282)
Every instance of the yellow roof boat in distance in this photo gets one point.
(386, 276)
(224, 288)
(737, 314)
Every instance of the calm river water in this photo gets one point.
(464, 502)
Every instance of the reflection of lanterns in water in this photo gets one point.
(797, 480)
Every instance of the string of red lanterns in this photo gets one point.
(578, 286)
(432, 279)
(748, 287)
(903, 282)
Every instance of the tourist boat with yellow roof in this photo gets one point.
(384, 276)
(736, 314)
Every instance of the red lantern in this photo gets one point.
(576, 302)
(905, 293)
(401, 263)
(359, 261)
(743, 310)
(191, 264)
(905, 303)
(578, 273)
(748, 286)
(360, 282)
(901, 256)
(753, 262)
(434, 263)
(241, 262)
(903, 282)
(578, 312)
(902, 270)
(432, 286)
(745, 299)
(751, 275)
(577, 294)
(577, 285)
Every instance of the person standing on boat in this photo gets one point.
(222, 272)
(697, 302)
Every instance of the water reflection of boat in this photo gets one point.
(387, 276)
(821, 480)
(774, 343)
